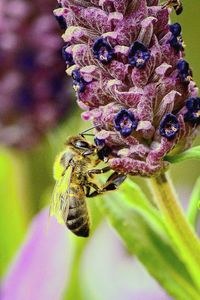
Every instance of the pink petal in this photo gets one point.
(41, 269)
(116, 274)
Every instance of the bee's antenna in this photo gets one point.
(88, 134)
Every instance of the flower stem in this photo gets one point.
(193, 206)
(184, 238)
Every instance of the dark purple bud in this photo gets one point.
(76, 75)
(67, 56)
(78, 86)
(61, 21)
(125, 122)
(177, 43)
(138, 55)
(185, 73)
(103, 150)
(193, 113)
(175, 29)
(59, 5)
(103, 51)
(79, 83)
(99, 142)
(176, 40)
(169, 126)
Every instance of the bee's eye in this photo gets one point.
(81, 145)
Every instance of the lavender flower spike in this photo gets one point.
(33, 90)
(133, 84)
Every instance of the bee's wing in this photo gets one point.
(60, 205)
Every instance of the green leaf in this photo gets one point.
(139, 201)
(194, 204)
(136, 227)
(13, 217)
(193, 153)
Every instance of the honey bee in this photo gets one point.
(176, 4)
(74, 174)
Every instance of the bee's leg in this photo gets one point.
(88, 152)
(93, 194)
(98, 171)
(95, 187)
(112, 183)
(87, 190)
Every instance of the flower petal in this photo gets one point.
(116, 275)
(41, 269)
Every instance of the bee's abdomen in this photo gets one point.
(78, 218)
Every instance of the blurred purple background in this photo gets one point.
(34, 94)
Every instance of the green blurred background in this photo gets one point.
(26, 177)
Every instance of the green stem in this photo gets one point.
(184, 238)
(194, 205)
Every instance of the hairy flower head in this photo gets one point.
(132, 80)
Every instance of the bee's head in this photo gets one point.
(80, 143)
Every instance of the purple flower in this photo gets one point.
(131, 60)
(185, 73)
(61, 21)
(103, 51)
(138, 55)
(78, 82)
(175, 29)
(176, 40)
(125, 122)
(99, 142)
(193, 111)
(169, 126)
(67, 56)
(32, 78)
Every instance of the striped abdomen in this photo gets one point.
(78, 218)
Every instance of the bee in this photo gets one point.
(176, 4)
(74, 174)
